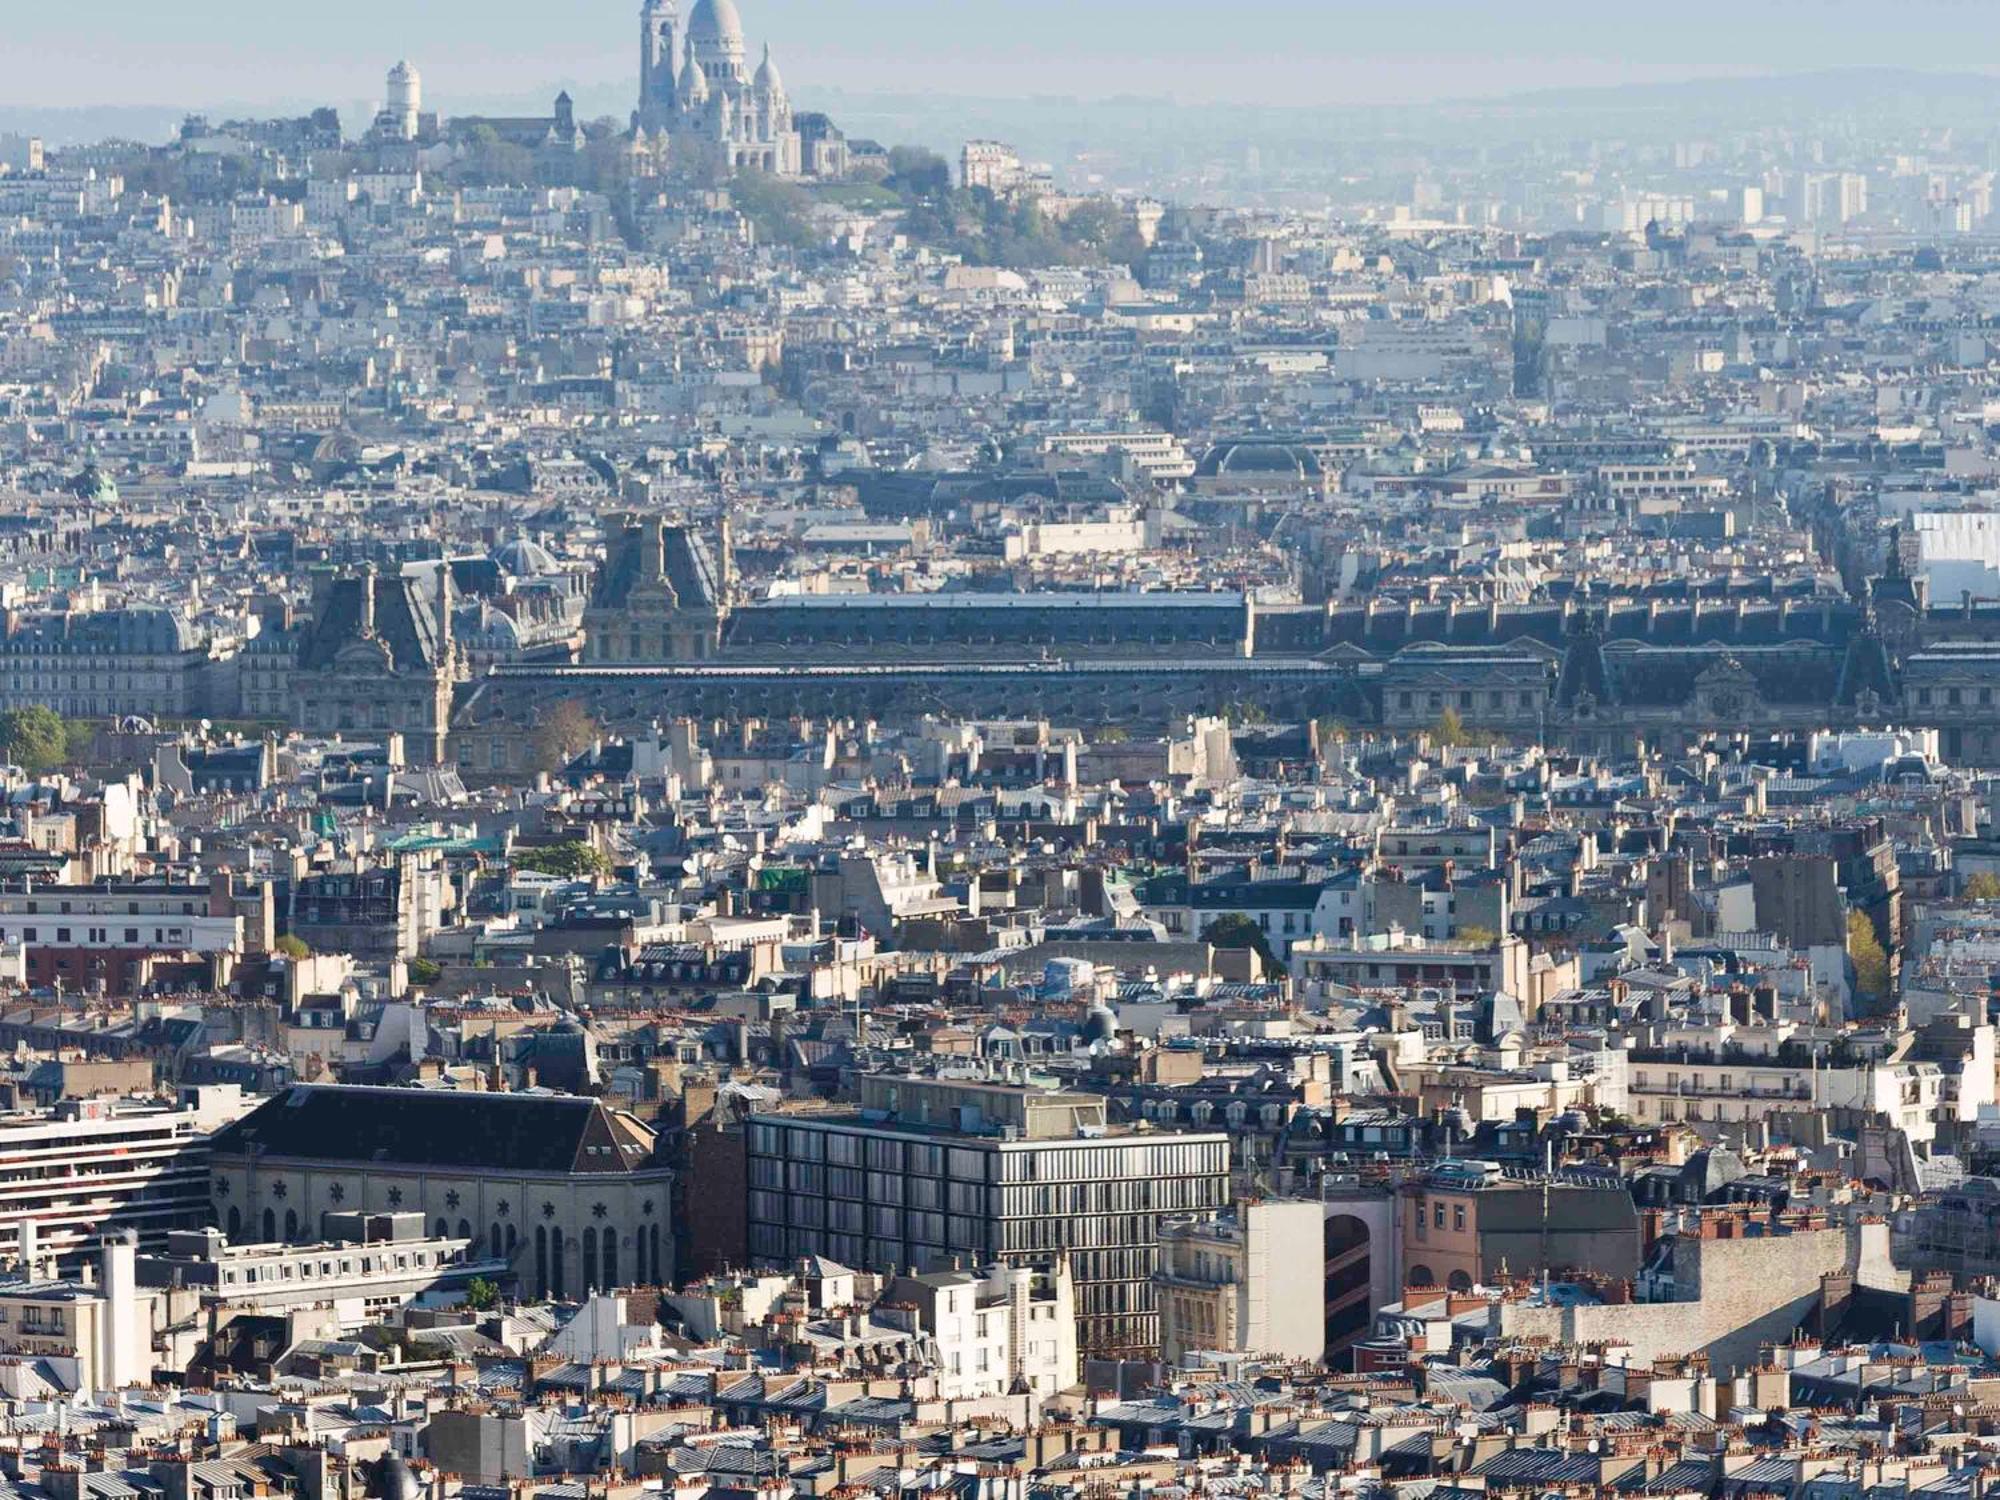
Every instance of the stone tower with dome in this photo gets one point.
(701, 107)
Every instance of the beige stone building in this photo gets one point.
(565, 1189)
(1248, 1281)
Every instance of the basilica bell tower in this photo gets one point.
(659, 20)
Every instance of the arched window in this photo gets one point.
(1459, 1281)
(1350, 1279)
(653, 1235)
(497, 1252)
(541, 1260)
(270, 1225)
(465, 1232)
(443, 1230)
(235, 1223)
(1421, 1276)
(558, 1285)
(291, 1224)
(589, 1258)
(610, 1259)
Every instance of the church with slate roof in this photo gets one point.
(567, 1189)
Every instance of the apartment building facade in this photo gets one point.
(928, 1173)
(89, 1165)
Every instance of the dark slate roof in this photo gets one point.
(1668, 677)
(896, 494)
(539, 1133)
(1383, 625)
(1583, 670)
(1539, 1466)
(405, 622)
(684, 562)
(1688, 1474)
(137, 631)
(1866, 668)
(1269, 453)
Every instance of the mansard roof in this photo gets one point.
(683, 560)
(404, 621)
(1378, 627)
(138, 630)
(1666, 677)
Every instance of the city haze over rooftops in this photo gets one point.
(1272, 52)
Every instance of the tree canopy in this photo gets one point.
(572, 859)
(566, 731)
(976, 225)
(780, 212)
(1871, 961)
(1450, 730)
(1236, 930)
(917, 172)
(36, 738)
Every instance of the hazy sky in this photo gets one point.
(285, 52)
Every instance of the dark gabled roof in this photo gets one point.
(441, 1128)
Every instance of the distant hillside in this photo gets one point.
(1162, 129)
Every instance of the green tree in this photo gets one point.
(1236, 930)
(985, 230)
(291, 946)
(1871, 962)
(425, 970)
(780, 212)
(572, 859)
(1450, 730)
(480, 1294)
(78, 737)
(918, 172)
(35, 738)
(490, 161)
(1094, 223)
(1479, 937)
(1985, 886)
(1127, 247)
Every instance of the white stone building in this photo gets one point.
(1248, 1281)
